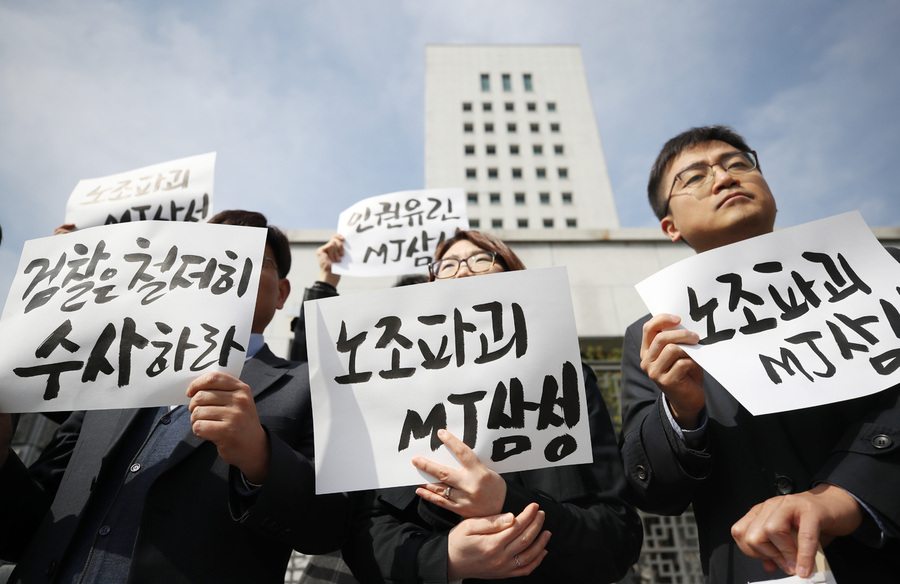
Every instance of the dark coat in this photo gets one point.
(195, 527)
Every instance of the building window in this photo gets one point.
(467, 106)
(514, 149)
(470, 173)
(551, 106)
(537, 149)
(507, 84)
(545, 198)
(492, 173)
(522, 223)
(470, 149)
(489, 128)
(526, 80)
(511, 128)
(496, 223)
(554, 128)
(532, 107)
(495, 198)
(472, 198)
(562, 172)
(541, 172)
(548, 223)
(510, 107)
(517, 173)
(571, 223)
(485, 82)
(567, 198)
(558, 149)
(486, 106)
(535, 128)
(490, 149)
(520, 198)
(467, 128)
(474, 223)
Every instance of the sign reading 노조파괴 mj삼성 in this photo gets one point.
(797, 318)
(178, 190)
(494, 359)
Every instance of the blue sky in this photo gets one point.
(314, 104)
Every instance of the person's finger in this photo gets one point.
(214, 381)
(807, 544)
(465, 455)
(530, 558)
(437, 497)
(489, 525)
(532, 527)
(442, 473)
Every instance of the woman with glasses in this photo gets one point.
(557, 524)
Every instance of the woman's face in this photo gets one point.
(464, 249)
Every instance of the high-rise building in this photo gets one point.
(514, 126)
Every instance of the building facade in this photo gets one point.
(514, 126)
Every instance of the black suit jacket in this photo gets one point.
(195, 527)
(745, 460)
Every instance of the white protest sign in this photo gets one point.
(397, 233)
(494, 359)
(793, 319)
(179, 190)
(127, 315)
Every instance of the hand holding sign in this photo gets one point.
(223, 412)
(500, 546)
(669, 366)
(474, 490)
(328, 255)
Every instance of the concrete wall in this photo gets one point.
(603, 265)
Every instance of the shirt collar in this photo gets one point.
(256, 343)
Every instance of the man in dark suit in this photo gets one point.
(766, 490)
(219, 491)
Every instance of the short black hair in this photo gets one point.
(275, 238)
(684, 141)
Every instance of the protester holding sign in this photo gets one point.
(557, 524)
(776, 486)
(219, 491)
(325, 286)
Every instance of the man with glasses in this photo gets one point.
(766, 490)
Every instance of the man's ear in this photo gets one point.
(668, 227)
(284, 290)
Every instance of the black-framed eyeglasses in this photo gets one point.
(271, 261)
(478, 263)
(698, 175)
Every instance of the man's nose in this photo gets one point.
(721, 178)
